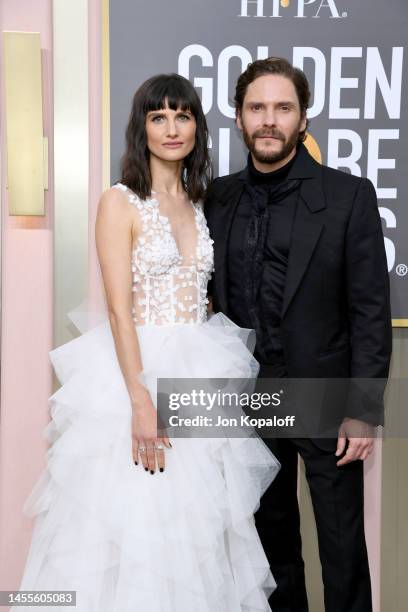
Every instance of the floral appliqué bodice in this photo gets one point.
(166, 288)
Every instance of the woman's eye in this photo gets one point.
(184, 117)
(157, 119)
(256, 107)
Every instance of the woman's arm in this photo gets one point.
(116, 227)
(113, 232)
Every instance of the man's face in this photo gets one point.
(270, 119)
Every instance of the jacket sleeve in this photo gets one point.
(369, 310)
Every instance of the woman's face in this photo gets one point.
(170, 133)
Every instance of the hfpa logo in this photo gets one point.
(303, 8)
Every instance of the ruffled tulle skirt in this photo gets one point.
(127, 541)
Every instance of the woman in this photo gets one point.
(126, 519)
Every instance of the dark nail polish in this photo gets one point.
(162, 469)
(136, 463)
(171, 444)
(151, 471)
(146, 469)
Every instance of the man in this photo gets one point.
(299, 257)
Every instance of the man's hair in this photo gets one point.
(281, 67)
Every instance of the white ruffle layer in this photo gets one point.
(127, 541)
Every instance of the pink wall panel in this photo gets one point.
(27, 304)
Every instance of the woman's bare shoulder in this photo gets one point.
(116, 209)
(114, 202)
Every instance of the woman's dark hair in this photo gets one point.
(280, 66)
(152, 95)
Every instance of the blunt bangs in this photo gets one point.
(171, 90)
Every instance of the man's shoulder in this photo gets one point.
(340, 186)
(222, 186)
(310, 167)
(340, 177)
(222, 182)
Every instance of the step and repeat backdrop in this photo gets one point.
(352, 53)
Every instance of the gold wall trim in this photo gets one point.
(105, 95)
(24, 123)
(71, 161)
(400, 322)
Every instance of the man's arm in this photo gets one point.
(369, 310)
(369, 316)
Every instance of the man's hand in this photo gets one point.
(361, 440)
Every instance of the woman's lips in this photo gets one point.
(172, 145)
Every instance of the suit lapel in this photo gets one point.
(228, 202)
(307, 228)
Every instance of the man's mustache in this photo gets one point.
(268, 134)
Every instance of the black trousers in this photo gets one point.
(338, 502)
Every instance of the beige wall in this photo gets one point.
(394, 516)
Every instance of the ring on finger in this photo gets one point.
(159, 447)
(142, 449)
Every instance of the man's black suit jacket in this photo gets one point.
(336, 319)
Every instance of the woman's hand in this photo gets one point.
(145, 441)
(210, 308)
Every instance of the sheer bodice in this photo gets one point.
(168, 288)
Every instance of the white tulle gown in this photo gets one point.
(127, 541)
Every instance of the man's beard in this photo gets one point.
(271, 157)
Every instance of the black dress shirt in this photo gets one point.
(275, 259)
